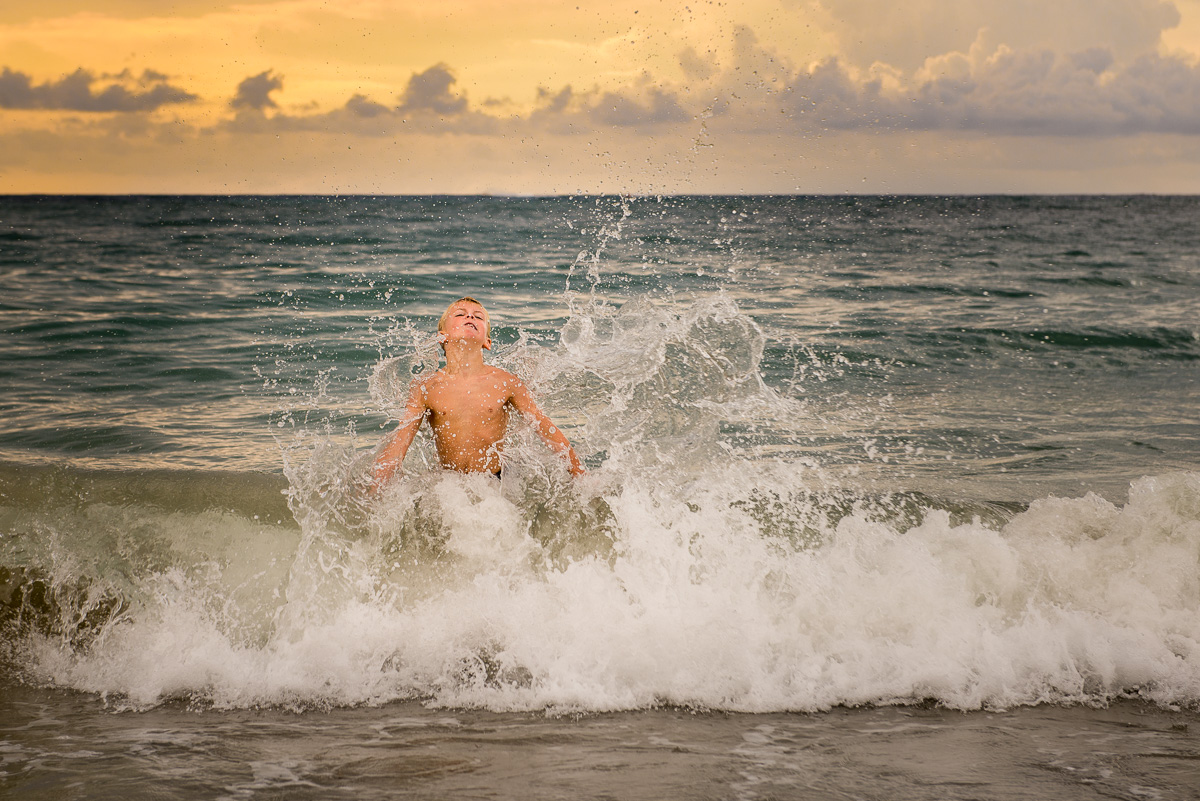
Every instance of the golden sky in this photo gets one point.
(637, 96)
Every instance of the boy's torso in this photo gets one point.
(469, 416)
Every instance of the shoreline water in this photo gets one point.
(61, 744)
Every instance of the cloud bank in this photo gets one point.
(1035, 92)
(1030, 93)
(979, 85)
(83, 91)
(905, 34)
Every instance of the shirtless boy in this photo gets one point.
(467, 404)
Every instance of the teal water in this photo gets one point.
(843, 452)
(996, 333)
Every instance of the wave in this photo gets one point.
(703, 562)
(749, 588)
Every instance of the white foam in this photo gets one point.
(698, 604)
(683, 571)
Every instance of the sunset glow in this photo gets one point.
(768, 96)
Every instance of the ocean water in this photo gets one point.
(888, 497)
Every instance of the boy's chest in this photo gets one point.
(464, 398)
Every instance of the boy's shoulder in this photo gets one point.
(501, 373)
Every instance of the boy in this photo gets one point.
(467, 404)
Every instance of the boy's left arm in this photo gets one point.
(522, 400)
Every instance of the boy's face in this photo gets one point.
(467, 321)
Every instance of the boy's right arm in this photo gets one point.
(388, 463)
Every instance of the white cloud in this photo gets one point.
(906, 34)
(1008, 92)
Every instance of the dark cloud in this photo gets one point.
(428, 104)
(360, 106)
(554, 102)
(1094, 59)
(567, 110)
(254, 93)
(623, 110)
(431, 92)
(84, 91)
(1159, 93)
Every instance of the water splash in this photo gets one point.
(687, 568)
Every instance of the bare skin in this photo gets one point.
(467, 404)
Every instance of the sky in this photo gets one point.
(536, 97)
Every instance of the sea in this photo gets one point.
(886, 498)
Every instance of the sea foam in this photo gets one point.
(691, 603)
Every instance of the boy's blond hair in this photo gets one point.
(487, 318)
